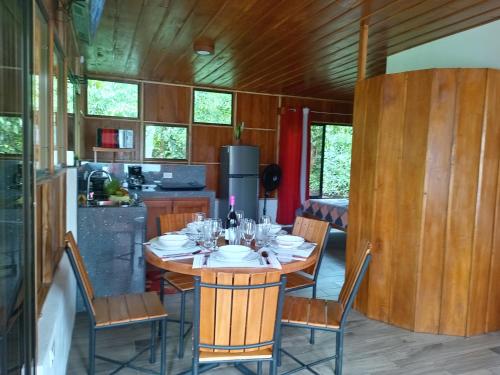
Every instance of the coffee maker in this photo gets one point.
(135, 178)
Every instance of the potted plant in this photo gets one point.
(238, 131)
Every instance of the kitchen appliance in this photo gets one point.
(135, 178)
(239, 176)
(270, 178)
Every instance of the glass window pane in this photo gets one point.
(213, 107)
(315, 166)
(11, 135)
(57, 108)
(337, 161)
(165, 142)
(70, 98)
(117, 99)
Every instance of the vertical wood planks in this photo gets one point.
(255, 300)
(485, 210)
(386, 191)
(207, 308)
(223, 308)
(462, 200)
(435, 200)
(239, 310)
(411, 172)
(426, 191)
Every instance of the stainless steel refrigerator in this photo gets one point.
(239, 176)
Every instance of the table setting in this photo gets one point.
(243, 244)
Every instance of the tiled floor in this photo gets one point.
(371, 348)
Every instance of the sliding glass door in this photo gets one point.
(330, 167)
(16, 244)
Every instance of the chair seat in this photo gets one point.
(239, 356)
(127, 308)
(183, 283)
(311, 312)
(296, 280)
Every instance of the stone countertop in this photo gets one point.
(160, 193)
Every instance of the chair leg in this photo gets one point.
(273, 366)
(311, 338)
(163, 343)
(162, 289)
(259, 368)
(180, 353)
(339, 352)
(195, 367)
(92, 335)
(152, 346)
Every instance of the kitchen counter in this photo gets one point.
(158, 193)
(110, 241)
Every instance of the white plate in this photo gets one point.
(234, 251)
(247, 257)
(289, 241)
(173, 240)
(157, 245)
(275, 229)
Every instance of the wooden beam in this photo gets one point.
(363, 50)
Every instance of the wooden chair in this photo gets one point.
(317, 231)
(117, 311)
(327, 315)
(237, 319)
(182, 283)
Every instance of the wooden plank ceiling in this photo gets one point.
(294, 47)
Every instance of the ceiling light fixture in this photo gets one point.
(203, 46)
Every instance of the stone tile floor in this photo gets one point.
(371, 347)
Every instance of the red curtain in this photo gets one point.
(289, 161)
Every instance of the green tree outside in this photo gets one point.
(213, 107)
(11, 135)
(165, 142)
(337, 160)
(118, 99)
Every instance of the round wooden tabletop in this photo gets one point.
(185, 266)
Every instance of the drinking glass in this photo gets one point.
(233, 236)
(198, 219)
(248, 230)
(266, 221)
(261, 235)
(240, 215)
(216, 228)
(206, 234)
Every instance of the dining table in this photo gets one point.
(185, 266)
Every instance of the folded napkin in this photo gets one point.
(302, 251)
(199, 261)
(178, 255)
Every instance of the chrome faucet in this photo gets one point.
(88, 180)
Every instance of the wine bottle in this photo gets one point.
(231, 220)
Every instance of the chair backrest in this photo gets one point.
(173, 222)
(354, 277)
(313, 230)
(80, 271)
(236, 312)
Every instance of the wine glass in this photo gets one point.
(198, 219)
(261, 232)
(266, 221)
(240, 215)
(216, 229)
(248, 230)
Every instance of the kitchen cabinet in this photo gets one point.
(159, 206)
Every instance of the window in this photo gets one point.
(58, 108)
(70, 98)
(116, 99)
(165, 142)
(330, 167)
(212, 107)
(41, 132)
(11, 135)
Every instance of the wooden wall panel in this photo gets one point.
(164, 103)
(342, 110)
(427, 145)
(257, 111)
(207, 140)
(411, 172)
(266, 140)
(485, 212)
(435, 202)
(386, 183)
(91, 126)
(462, 197)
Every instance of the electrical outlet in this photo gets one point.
(168, 175)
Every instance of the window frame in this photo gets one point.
(213, 123)
(149, 123)
(323, 125)
(139, 104)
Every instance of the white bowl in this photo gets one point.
(275, 228)
(173, 240)
(234, 251)
(289, 241)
